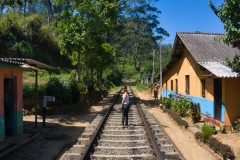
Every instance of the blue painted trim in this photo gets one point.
(223, 111)
(2, 129)
(206, 105)
(18, 123)
(167, 92)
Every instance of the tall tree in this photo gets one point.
(83, 22)
(139, 32)
(229, 14)
(50, 11)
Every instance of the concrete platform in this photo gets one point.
(31, 133)
(13, 142)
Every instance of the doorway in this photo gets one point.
(217, 98)
(9, 103)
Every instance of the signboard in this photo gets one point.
(47, 98)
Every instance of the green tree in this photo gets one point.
(137, 36)
(99, 61)
(28, 37)
(81, 24)
(229, 14)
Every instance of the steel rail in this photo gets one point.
(175, 147)
(90, 147)
(159, 155)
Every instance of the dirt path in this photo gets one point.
(183, 139)
(59, 134)
(70, 127)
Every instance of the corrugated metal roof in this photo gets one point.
(22, 61)
(204, 48)
(206, 51)
(219, 69)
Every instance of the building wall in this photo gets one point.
(232, 99)
(2, 126)
(187, 66)
(18, 114)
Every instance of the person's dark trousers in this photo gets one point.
(125, 114)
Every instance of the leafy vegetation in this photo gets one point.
(167, 102)
(98, 43)
(227, 152)
(177, 118)
(228, 13)
(237, 125)
(28, 37)
(234, 64)
(223, 150)
(181, 106)
(195, 112)
(207, 131)
(142, 87)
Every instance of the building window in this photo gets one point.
(187, 84)
(172, 85)
(176, 81)
(203, 88)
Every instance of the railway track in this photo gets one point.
(105, 139)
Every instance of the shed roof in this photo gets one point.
(23, 61)
(218, 69)
(207, 49)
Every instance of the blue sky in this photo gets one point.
(188, 16)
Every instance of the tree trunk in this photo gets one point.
(124, 60)
(87, 67)
(79, 66)
(50, 12)
(91, 78)
(24, 8)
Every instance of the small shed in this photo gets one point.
(147, 79)
(11, 95)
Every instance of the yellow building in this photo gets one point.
(197, 69)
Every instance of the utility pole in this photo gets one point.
(160, 74)
(153, 67)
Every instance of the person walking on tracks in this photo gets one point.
(125, 106)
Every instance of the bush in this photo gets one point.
(224, 150)
(76, 91)
(167, 102)
(207, 131)
(195, 112)
(177, 118)
(237, 125)
(214, 144)
(55, 88)
(29, 90)
(181, 106)
(222, 128)
(199, 136)
(111, 76)
(227, 152)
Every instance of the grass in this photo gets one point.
(142, 87)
